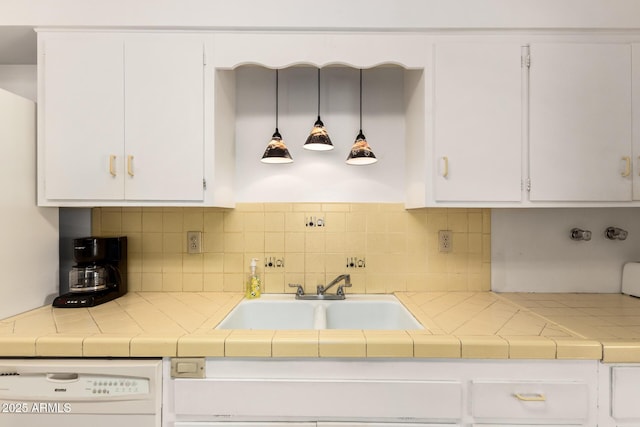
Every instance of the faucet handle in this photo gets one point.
(299, 290)
(346, 284)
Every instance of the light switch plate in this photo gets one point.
(187, 367)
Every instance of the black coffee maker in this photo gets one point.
(100, 272)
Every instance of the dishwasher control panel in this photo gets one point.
(72, 386)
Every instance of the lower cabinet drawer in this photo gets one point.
(312, 399)
(625, 393)
(521, 402)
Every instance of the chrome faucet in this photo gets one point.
(321, 289)
(347, 284)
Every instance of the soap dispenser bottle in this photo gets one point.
(254, 285)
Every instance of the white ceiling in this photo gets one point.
(17, 45)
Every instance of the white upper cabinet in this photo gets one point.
(580, 122)
(82, 118)
(155, 118)
(122, 119)
(164, 116)
(477, 122)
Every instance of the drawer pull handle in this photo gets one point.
(130, 165)
(112, 166)
(445, 167)
(627, 166)
(534, 397)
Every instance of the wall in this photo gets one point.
(399, 246)
(320, 176)
(336, 14)
(19, 79)
(532, 251)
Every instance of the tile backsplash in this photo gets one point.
(391, 248)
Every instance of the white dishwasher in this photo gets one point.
(80, 392)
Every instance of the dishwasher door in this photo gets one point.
(80, 393)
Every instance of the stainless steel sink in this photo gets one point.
(284, 312)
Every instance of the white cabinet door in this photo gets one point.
(164, 118)
(625, 392)
(580, 122)
(83, 118)
(636, 120)
(477, 130)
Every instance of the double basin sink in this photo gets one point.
(284, 312)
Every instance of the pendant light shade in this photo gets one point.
(318, 139)
(276, 151)
(361, 153)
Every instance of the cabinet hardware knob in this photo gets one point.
(112, 166)
(130, 165)
(627, 166)
(578, 234)
(533, 397)
(615, 233)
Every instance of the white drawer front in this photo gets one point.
(319, 400)
(625, 392)
(560, 402)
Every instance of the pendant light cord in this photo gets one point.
(318, 93)
(360, 100)
(276, 100)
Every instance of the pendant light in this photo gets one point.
(276, 151)
(361, 153)
(318, 139)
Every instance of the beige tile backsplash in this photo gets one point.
(399, 247)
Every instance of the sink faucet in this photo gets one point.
(347, 284)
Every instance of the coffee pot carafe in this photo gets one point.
(93, 278)
(99, 274)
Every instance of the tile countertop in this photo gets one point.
(457, 325)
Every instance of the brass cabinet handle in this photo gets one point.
(112, 166)
(445, 168)
(627, 166)
(130, 165)
(533, 397)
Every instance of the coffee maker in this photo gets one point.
(99, 274)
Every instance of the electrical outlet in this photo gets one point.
(194, 242)
(356, 262)
(273, 262)
(314, 221)
(445, 241)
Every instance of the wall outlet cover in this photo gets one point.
(445, 241)
(194, 242)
